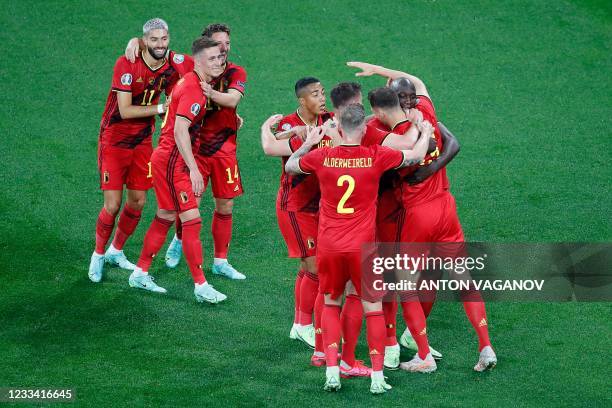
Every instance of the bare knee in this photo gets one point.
(310, 264)
(223, 205)
(112, 205)
(371, 306)
(331, 301)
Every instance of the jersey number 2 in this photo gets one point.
(351, 186)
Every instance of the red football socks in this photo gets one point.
(415, 320)
(153, 241)
(351, 318)
(222, 233)
(308, 294)
(104, 229)
(477, 315)
(296, 294)
(375, 329)
(318, 310)
(330, 321)
(390, 312)
(128, 221)
(192, 248)
(426, 307)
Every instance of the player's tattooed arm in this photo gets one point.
(129, 111)
(418, 152)
(451, 148)
(332, 131)
(371, 69)
(314, 136)
(229, 99)
(271, 146)
(183, 143)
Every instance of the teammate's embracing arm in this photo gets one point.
(314, 136)
(271, 146)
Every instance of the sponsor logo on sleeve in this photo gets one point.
(195, 109)
(286, 126)
(241, 84)
(126, 79)
(178, 58)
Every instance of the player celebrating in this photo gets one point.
(431, 205)
(297, 208)
(216, 157)
(176, 178)
(125, 146)
(348, 178)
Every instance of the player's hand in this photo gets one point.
(414, 115)
(167, 103)
(207, 88)
(241, 121)
(131, 51)
(426, 128)
(366, 69)
(197, 182)
(331, 128)
(272, 121)
(315, 135)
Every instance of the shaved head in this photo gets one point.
(405, 91)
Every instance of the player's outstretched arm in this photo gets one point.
(271, 146)
(299, 131)
(229, 99)
(371, 69)
(451, 148)
(129, 111)
(418, 152)
(183, 143)
(314, 136)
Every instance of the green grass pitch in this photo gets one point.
(525, 86)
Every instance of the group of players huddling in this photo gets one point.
(347, 179)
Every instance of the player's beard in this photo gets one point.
(154, 54)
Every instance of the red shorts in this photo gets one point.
(119, 166)
(223, 173)
(433, 221)
(171, 182)
(335, 269)
(299, 229)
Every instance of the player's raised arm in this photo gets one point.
(371, 69)
(417, 154)
(450, 150)
(271, 146)
(314, 136)
(183, 143)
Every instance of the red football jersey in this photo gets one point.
(188, 101)
(300, 192)
(218, 135)
(438, 182)
(146, 86)
(348, 178)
